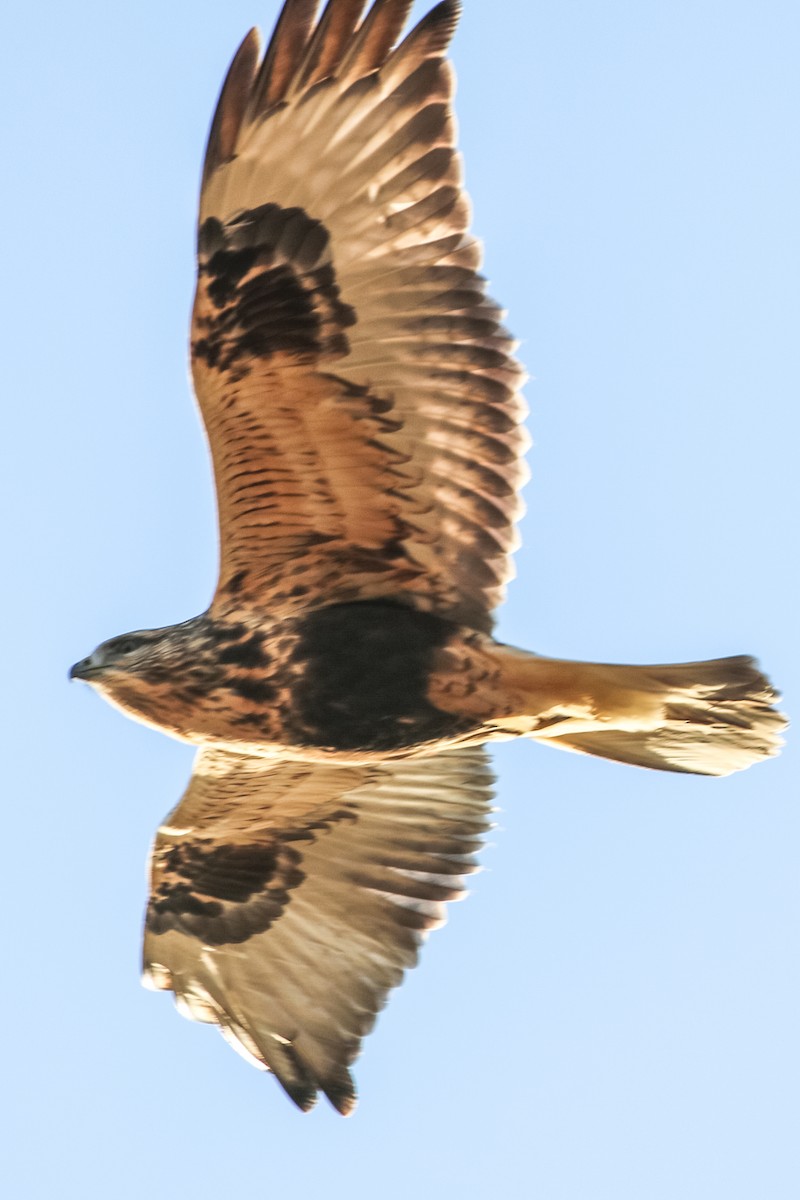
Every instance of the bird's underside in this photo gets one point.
(369, 681)
(362, 406)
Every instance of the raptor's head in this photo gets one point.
(203, 678)
(129, 653)
(145, 673)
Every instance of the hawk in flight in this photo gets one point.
(362, 405)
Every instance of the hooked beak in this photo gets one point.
(83, 669)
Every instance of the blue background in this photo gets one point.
(613, 1013)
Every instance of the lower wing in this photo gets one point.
(287, 899)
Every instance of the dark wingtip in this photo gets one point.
(342, 1094)
(303, 1095)
(233, 99)
(284, 53)
(446, 16)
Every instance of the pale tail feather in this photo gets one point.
(703, 718)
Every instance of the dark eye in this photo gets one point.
(126, 645)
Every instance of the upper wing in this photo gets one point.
(288, 898)
(357, 386)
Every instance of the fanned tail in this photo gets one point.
(702, 718)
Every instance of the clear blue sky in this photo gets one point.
(613, 1012)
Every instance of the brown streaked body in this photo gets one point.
(364, 416)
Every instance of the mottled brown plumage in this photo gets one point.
(362, 405)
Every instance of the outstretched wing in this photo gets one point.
(358, 389)
(288, 898)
